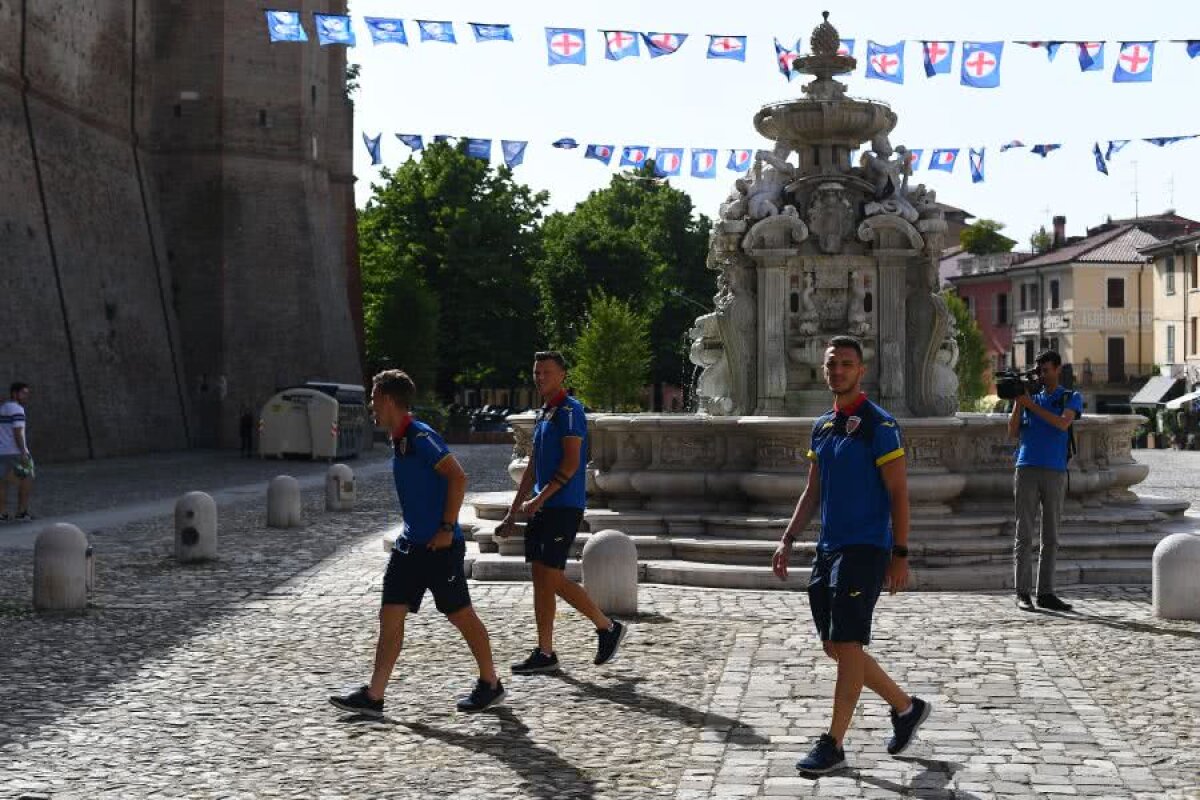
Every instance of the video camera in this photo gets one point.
(1011, 384)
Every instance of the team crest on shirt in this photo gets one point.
(852, 424)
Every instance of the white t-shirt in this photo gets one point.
(12, 416)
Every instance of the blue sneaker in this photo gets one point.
(825, 757)
(905, 726)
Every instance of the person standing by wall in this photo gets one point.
(16, 462)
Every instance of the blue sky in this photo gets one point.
(502, 90)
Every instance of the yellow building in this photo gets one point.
(1090, 299)
(1177, 307)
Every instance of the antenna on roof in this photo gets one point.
(1136, 207)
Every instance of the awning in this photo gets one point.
(1158, 390)
(1183, 402)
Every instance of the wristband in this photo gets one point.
(446, 526)
(900, 551)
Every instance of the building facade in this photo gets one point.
(1176, 322)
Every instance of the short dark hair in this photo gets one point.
(551, 355)
(847, 341)
(1048, 355)
(17, 386)
(396, 384)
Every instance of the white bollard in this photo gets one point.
(610, 572)
(340, 494)
(1176, 589)
(283, 502)
(60, 569)
(195, 527)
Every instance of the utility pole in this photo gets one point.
(1136, 207)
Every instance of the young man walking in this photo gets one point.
(558, 479)
(1042, 423)
(428, 554)
(16, 463)
(856, 477)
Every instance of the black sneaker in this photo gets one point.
(825, 757)
(1024, 601)
(25, 516)
(609, 642)
(536, 663)
(359, 702)
(1051, 602)
(482, 696)
(5, 518)
(904, 726)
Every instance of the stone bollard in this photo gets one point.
(283, 502)
(340, 494)
(195, 527)
(1176, 589)
(610, 572)
(60, 569)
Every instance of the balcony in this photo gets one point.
(986, 265)
(1098, 375)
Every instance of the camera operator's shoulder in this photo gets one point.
(882, 417)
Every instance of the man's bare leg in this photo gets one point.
(387, 650)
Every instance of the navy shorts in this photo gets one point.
(843, 589)
(413, 569)
(549, 535)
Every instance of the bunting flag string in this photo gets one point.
(979, 65)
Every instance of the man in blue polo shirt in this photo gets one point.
(856, 477)
(1042, 422)
(557, 474)
(428, 554)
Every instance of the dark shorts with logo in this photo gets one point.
(413, 569)
(843, 589)
(550, 534)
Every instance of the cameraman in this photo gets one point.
(1041, 421)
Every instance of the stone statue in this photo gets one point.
(783, 231)
(769, 178)
(856, 314)
(739, 332)
(888, 170)
(708, 352)
(810, 318)
(830, 216)
(734, 207)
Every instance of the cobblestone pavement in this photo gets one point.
(211, 681)
(1173, 473)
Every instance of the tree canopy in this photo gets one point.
(972, 367)
(611, 355)
(983, 238)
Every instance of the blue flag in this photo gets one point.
(663, 44)
(1011, 145)
(621, 44)
(566, 143)
(1114, 147)
(372, 143)
(944, 160)
(480, 148)
(784, 59)
(981, 64)
(1163, 141)
(668, 161)
(285, 26)
(731, 47)
(412, 140)
(437, 31)
(704, 163)
(566, 46)
(514, 152)
(334, 29)
(485, 32)
(1044, 150)
(1052, 49)
(885, 62)
(938, 56)
(739, 160)
(386, 31)
(914, 158)
(1135, 63)
(975, 159)
(634, 155)
(1091, 56)
(846, 47)
(1193, 48)
(1100, 165)
(600, 152)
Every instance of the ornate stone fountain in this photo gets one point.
(809, 245)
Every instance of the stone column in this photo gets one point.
(772, 336)
(892, 352)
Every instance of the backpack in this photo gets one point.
(1061, 406)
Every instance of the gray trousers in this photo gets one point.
(1034, 487)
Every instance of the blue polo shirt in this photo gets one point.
(1042, 444)
(561, 418)
(849, 446)
(417, 450)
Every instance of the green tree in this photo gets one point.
(612, 355)
(1041, 240)
(984, 238)
(639, 240)
(972, 365)
(447, 246)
